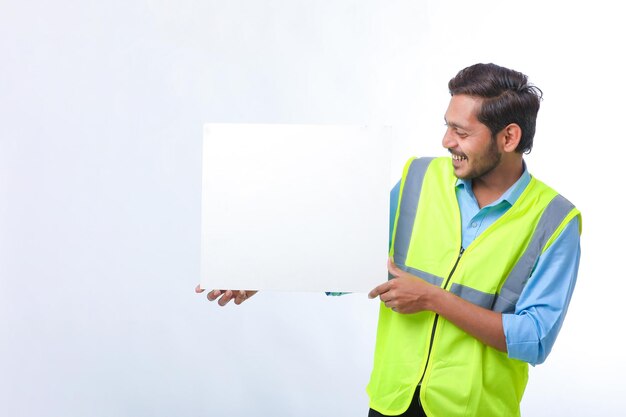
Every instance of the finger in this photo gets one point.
(390, 304)
(241, 297)
(386, 297)
(228, 295)
(212, 296)
(381, 289)
(198, 289)
(393, 268)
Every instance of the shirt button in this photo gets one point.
(474, 224)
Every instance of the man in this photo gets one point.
(483, 257)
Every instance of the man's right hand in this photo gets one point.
(226, 295)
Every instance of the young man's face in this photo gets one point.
(474, 152)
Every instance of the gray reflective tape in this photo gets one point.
(505, 301)
(430, 278)
(550, 220)
(408, 208)
(479, 298)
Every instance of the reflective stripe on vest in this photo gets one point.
(408, 208)
(552, 217)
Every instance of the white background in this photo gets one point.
(101, 113)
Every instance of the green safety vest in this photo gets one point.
(458, 375)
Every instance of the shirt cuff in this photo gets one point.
(522, 341)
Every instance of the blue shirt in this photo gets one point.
(530, 332)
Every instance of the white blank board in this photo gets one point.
(295, 207)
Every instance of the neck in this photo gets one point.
(492, 185)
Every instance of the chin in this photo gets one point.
(461, 174)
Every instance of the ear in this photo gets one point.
(510, 137)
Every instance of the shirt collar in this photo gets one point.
(510, 196)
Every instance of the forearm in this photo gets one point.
(483, 324)
(408, 294)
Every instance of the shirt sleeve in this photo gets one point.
(531, 331)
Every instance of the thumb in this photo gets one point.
(392, 267)
(241, 297)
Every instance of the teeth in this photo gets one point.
(458, 157)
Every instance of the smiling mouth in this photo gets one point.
(459, 158)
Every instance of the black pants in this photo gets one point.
(414, 410)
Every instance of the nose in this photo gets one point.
(448, 140)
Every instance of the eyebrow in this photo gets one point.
(453, 125)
